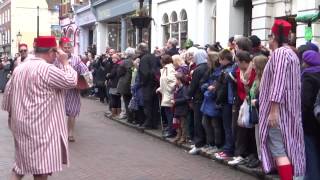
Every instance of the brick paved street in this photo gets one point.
(106, 150)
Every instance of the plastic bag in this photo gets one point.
(244, 115)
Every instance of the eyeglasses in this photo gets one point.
(23, 50)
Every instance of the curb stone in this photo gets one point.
(257, 172)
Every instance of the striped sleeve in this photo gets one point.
(65, 78)
(6, 101)
(280, 64)
(81, 67)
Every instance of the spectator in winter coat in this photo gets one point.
(125, 76)
(180, 66)
(258, 64)
(171, 48)
(310, 88)
(200, 59)
(167, 86)
(149, 83)
(244, 136)
(225, 98)
(211, 120)
(181, 108)
(113, 78)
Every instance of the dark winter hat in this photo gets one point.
(256, 42)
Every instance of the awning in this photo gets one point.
(308, 18)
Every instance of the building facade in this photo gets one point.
(5, 27)
(202, 21)
(18, 22)
(67, 21)
(265, 11)
(86, 22)
(106, 23)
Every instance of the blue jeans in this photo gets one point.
(312, 146)
(228, 147)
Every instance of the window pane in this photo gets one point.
(174, 17)
(175, 30)
(183, 32)
(166, 33)
(183, 15)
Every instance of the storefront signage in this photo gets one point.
(85, 18)
(112, 9)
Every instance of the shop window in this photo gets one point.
(183, 27)
(114, 36)
(166, 28)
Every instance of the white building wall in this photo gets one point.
(230, 21)
(200, 21)
(84, 40)
(264, 12)
(101, 38)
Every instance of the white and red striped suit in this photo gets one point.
(35, 100)
(281, 84)
(73, 103)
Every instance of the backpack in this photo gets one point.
(316, 108)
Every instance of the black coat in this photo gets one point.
(310, 88)
(113, 76)
(99, 73)
(147, 74)
(172, 51)
(195, 86)
(125, 75)
(181, 107)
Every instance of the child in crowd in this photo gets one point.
(245, 146)
(225, 98)
(258, 64)
(181, 107)
(211, 120)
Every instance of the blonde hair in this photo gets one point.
(259, 63)
(213, 59)
(177, 60)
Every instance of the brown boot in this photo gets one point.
(177, 138)
(114, 112)
(183, 138)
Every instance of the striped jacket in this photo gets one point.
(281, 84)
(35, 100)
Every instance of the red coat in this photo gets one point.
(240, 86)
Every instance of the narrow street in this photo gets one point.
(106, 150)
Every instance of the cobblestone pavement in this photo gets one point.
(106, 150)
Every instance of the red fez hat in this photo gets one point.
(286, 27)
(23, 45)
(64, 40)
(45, 42)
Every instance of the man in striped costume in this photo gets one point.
(35, 100)
(280, 124)
(73, 102)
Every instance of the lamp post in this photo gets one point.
(37, 21)
(19, 36)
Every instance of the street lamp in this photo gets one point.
(19, 36)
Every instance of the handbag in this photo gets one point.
(254, 115)
(133, 104)
(316, 108)
(244, 115)
(85, 81)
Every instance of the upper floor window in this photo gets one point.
(166, 27)
(175, 27)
